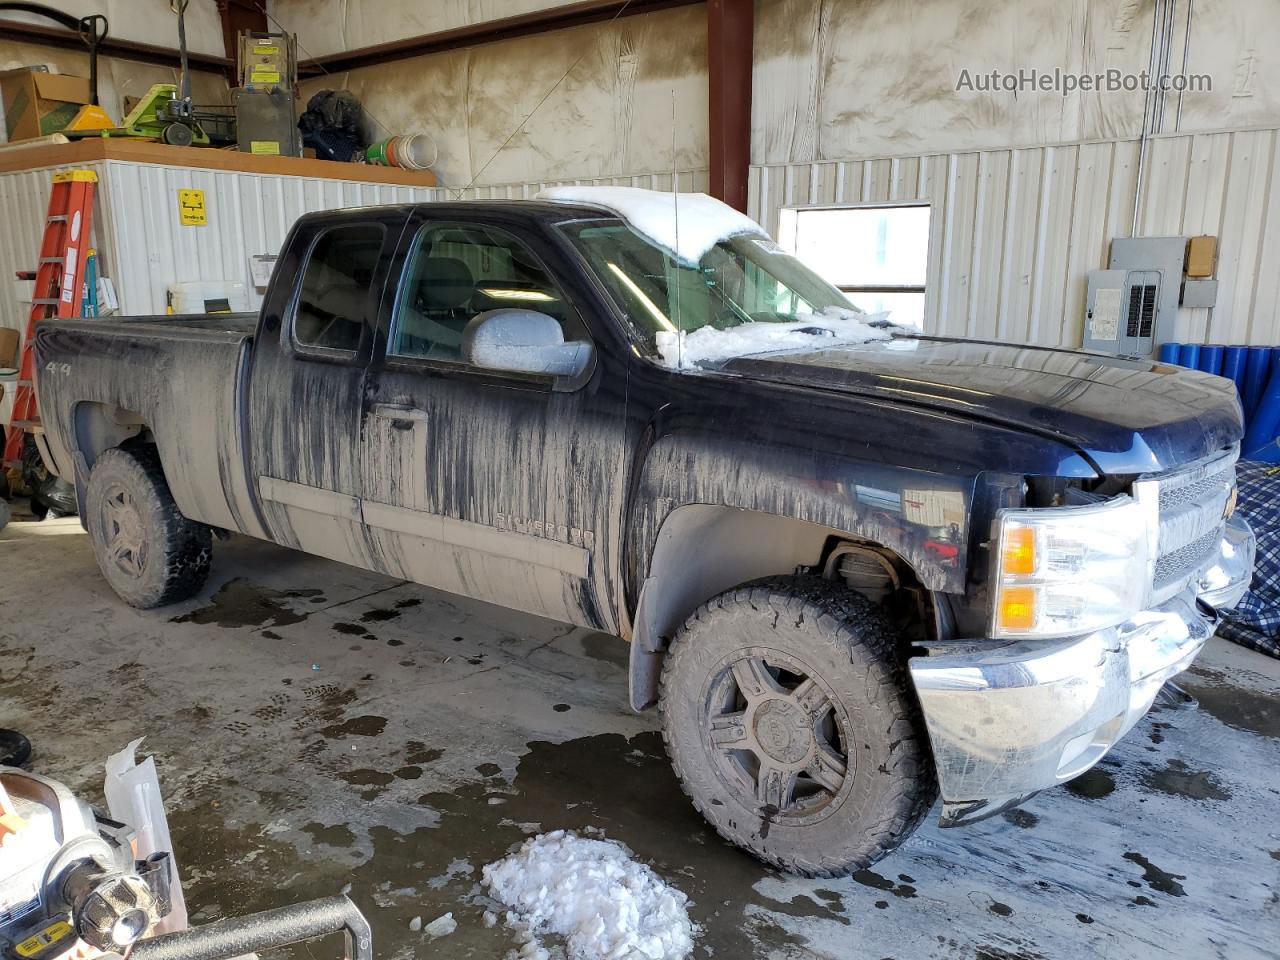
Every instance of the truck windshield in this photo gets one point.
(738, 285)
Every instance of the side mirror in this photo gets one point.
(522, 341)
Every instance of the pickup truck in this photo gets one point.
(858, 567)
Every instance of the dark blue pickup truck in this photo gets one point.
(858, 567)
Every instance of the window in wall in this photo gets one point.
(335, 287)
(458, 271)
(878, 255)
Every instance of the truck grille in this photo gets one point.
(1192, 505)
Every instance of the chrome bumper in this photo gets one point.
(1010, 718)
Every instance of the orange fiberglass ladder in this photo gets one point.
(59, 282)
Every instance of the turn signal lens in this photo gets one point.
(1065, 571)
(1017, 608)
(1018, 552)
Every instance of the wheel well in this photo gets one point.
(101, 426)
(703, 550)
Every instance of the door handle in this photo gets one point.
(402, 415)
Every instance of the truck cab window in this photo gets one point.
(335, 287)
(457, 271)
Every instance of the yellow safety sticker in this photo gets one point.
(270, 148)
(264, 76)
(265, 47)
(35, 943)
(191, 208)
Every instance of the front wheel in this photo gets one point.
(147, 550)
(790, 721)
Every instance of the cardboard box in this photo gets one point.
(1202, 256)
(37, 103)
(9, 340)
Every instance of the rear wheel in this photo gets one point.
(790, 721)
(148, 551)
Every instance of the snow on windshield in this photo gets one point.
(832, 328)
(702, 221)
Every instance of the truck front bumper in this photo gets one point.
(1010, 718)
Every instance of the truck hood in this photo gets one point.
(1126, 415)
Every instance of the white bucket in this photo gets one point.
(417, 151)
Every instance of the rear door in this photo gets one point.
(502, 486)
(306, 391)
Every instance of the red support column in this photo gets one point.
(729, 59)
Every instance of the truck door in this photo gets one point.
(501, 486)
(306, 389)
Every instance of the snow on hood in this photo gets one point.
(703, 220)
(833, 327)
(591, 892)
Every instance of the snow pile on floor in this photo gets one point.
(606, 905)
(832, 328)
(687, 224)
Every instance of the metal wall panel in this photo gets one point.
(143, 247)
(1014, 232)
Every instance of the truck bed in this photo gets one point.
(182, 377)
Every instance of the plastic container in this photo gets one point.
(1257, 368)
(1169, 352)
(1211, 358)
(414, 151)
(1189, 355)
(1233, 361)
(1265, 424)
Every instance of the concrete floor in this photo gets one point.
(316, 725)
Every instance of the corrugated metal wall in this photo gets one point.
(248, 214)
(1014, 232)
(142, 246)
(690, 181)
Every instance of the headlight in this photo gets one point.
(1067, 570)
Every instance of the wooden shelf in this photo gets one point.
(98, 149)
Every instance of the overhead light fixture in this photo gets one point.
(642, 297)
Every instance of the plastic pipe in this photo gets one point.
(1257, 367)
(1189, 355)
(1265, 423)
(1169, 352)
(1211, 358)
(1233, 359)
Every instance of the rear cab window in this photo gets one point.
(334, 304)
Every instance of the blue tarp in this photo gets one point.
(1255, 623)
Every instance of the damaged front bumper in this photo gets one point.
(1010, 718)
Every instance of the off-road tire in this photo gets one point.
(175, 552)
(855, 652)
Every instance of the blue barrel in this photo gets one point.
(1189, 355)
(1233, 360)
(1211, 358)
(1169, 352)
(1265, 423)
(1257, 367)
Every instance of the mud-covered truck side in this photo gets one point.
(857, 567)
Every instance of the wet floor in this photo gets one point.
(318, 727)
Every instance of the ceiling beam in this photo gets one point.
(730, 26)
(523, 25)
(110, 47)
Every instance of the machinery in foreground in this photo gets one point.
(73, 887)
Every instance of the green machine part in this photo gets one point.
(151, 118)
